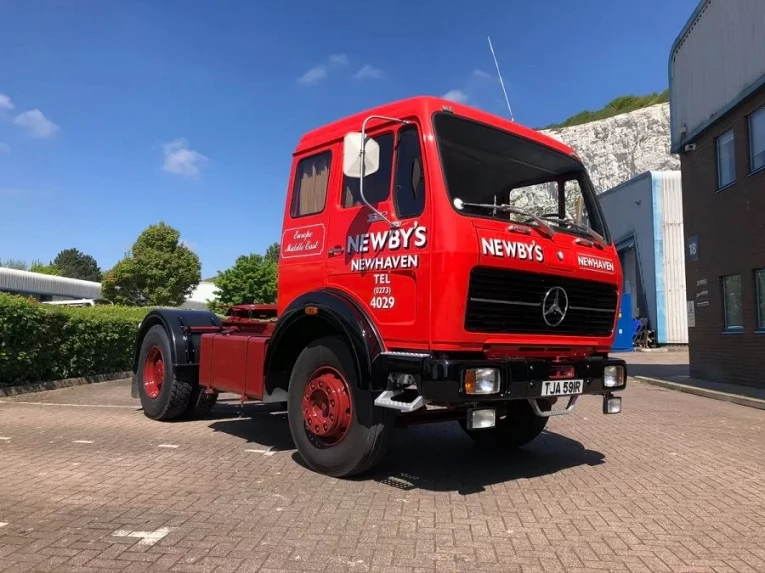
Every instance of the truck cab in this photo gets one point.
(465, 223)
(437, 262)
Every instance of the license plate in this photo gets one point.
(562, 387)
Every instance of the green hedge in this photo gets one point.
(40, 342)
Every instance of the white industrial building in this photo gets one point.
(202, 294)
(44, 287)
(645, 217)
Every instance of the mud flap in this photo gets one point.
(134, 386)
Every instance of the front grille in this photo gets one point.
(510, 301)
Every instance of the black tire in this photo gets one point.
(174, 394)
(517, 427)
(200, 404)
(366, 440)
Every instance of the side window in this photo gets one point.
(377, 185)
(409, 189)
(726, 160)
(732, 303)
(309, 191)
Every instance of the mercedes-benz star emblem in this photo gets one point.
(554, 306)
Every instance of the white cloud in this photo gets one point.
(313, 76)
(368, 72)
(4, 148)
(456, 95)
(6, 104)
(339, 59)
(321, 71)
(37, 124)
(180, 160)
(474, 85)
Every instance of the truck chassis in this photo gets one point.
(344, 394)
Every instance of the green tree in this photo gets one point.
(272, 252)
(77, 265)
(16, 264)
(51, 269)
(157, 271)
(251, 280)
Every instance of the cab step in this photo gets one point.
(402, 400)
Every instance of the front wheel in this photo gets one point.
(336, 427)
(517, 427)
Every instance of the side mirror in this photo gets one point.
(354, 149)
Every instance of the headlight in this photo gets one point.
(613, 376)
(481, 381)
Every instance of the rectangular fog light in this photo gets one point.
(613, 376)
(480, 419)
(481, 381)
(612, 405)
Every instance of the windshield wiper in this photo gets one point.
(600, 241)
(540, 224)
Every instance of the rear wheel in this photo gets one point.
(163, 396)
(517, 427)
(336, 427)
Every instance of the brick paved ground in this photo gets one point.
(675, 483)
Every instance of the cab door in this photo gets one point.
(386, 270)
(304, 237)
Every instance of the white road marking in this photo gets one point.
(5, 438)
(83, 441)
(147, 537)
(9, 402)
(3, 524)
(266, 452)
(167, 446)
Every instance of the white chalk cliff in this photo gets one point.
(620, 147)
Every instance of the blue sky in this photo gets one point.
(116, 115)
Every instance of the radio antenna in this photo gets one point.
(499, 74)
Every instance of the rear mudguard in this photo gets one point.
(346, 317)
(183, 345)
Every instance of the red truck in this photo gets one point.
(437, 263)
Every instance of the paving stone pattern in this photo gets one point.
(87, 483)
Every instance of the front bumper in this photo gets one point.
(440, 381)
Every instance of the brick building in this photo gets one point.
(717, 103)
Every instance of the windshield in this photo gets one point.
(485, 165)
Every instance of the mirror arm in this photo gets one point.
(393, 224)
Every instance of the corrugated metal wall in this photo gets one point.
(629, 215)
(720, 56)
(37, 283)
(647, 212)
(673, 239)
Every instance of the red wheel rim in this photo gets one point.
(153, 372)
(327, 410)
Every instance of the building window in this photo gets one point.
(757, 139)
(726, 160)
(309, 192)
(759, 281)
(734, 315)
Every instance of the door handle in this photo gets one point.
(335, 251)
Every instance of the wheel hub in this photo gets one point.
(327, 405)
(153, 372)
